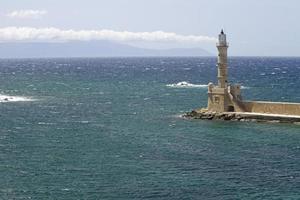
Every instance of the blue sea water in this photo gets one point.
(109, 128)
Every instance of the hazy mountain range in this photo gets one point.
(87, 49)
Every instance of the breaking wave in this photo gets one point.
(6, 98)
(245, 87)
(185, 84)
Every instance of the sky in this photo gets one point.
(253, 27)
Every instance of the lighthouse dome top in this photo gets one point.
(222, 39)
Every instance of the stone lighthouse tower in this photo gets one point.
(218, 95)
(223, 97)
(222, 60)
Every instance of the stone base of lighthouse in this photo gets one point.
(218, 100)
(224, 99)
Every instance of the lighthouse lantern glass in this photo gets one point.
(222, 39)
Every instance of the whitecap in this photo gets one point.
(45, 123)
(6, 98)
(245, 87)
(185, 84)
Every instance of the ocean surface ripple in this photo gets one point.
(107, 128)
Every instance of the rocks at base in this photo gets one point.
(212, 115)
(232, 116)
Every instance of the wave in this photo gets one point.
(245, 87)
(185, 84)
(6, 98)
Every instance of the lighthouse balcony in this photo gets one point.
(222, 44)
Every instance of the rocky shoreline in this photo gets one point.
(239, 116)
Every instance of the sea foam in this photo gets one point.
(7, 98)
(185, 84)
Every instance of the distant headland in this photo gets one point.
(90, 49)
(225, 101)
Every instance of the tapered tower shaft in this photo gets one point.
(222, 60)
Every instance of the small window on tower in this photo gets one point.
(217, 100)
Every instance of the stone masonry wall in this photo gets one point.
(271, 107)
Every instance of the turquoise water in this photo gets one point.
(110, 129)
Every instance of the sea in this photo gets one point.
(111, 128)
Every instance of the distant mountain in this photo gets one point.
(87, 49)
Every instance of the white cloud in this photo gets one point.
(55, 34)
(23, 14)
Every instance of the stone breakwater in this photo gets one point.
(240, 116)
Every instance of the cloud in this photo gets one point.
(55, 34)
(24, 14)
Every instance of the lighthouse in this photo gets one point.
(221, 96)
(222, 60)
(225, 101)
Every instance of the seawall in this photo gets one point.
(265, 107)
